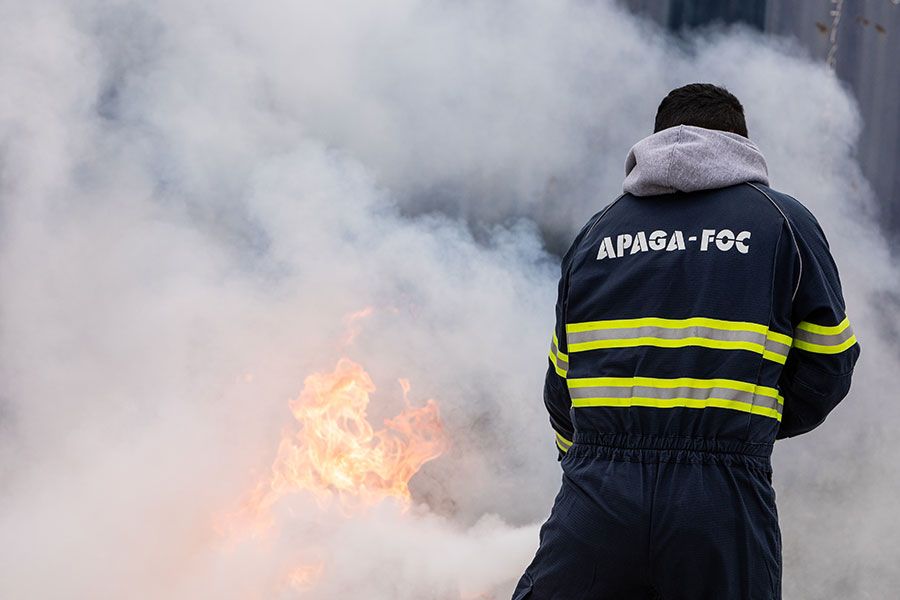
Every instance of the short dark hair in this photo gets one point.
(701, 105)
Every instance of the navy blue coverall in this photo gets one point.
(692, 331)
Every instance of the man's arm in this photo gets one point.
(816, 376)
(556, 391)
(557, 400)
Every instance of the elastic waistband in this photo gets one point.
(653, 442)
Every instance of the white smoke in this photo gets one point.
(191, 192)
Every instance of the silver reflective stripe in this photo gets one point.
(671, 393)
(777, 347)
(823, 340)
(667, 333)
(677, 333)
(557, 356)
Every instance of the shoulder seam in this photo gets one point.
(603, 212)
(568, 271)
(793, 236)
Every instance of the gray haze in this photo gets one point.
(191, 192)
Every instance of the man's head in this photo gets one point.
(701, 105)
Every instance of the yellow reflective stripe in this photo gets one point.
(678, 403)
(559, 359)
(676, 382)
(823, 339)
(820, 349)
(562, 443)
(822, 329)
(668, 323)
(705, 332)
(774, 356)
(668, 343)
(562, 355)
(722, 393)
(559, 370)
(779, 337)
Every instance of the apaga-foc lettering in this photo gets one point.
(723, 240)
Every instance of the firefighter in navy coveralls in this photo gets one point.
(699, 319)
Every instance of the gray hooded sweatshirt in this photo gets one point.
(689, 159)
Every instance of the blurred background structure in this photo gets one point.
(860, 39)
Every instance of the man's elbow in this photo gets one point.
(809, 399)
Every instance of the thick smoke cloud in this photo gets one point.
(194, 194)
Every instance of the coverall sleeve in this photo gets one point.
(556, 391)
(819, 366)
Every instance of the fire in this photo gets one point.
(352, 325)
(335, 453)
(305, 576)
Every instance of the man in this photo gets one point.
(699, 319)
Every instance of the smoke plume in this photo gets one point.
(194, 195)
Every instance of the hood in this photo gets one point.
(689, 159)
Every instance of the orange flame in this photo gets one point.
(352, 325)
(336, 452)
(305, 576)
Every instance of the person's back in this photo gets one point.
(699, 317)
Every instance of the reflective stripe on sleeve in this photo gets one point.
(680, 392)
(559, 359)
(777, 346)
(824, 340)
(562, 443)
(679, 333)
